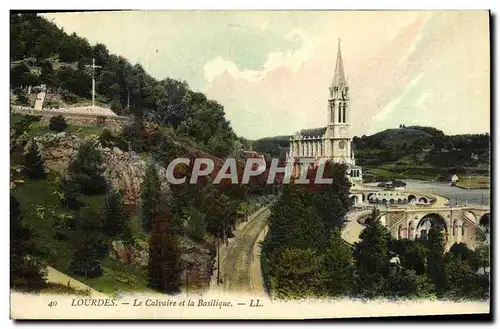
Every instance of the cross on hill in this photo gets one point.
(94, 67)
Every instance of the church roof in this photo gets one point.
(313, 132)
(339, 76)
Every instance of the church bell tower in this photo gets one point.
(337, 134)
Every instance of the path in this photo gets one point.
(240, 261)
(353, 229)
(55, 276)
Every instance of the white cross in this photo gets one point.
(93, 66)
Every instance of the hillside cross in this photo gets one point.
(94, 67)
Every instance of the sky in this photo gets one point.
(271, 69)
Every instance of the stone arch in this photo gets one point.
(384, 200)
(454, 228)
(471, 216)
(399, 200)
(411, 230)
(400, 232)
(424, 224)
(354, 199)
(485, 220)
(391, 201)
(422, 200)
(411, 198)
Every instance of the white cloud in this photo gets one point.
(291, 60)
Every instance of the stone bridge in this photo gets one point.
(390, 197)
(467, 224)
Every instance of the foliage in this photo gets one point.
(412, 254)
(372, 257)
(164, 266)
(89, 245)
(116, 222)
(339, 266)
(26, 272)
(150, 196)
(68, 192)
(435, 257)
(87, 170)
(34, 165)
(58, 123)
(197, 225)
(333, 202)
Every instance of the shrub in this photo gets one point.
(58, 123)
(35, 168)
(23, 124)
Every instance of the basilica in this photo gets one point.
(332, 142)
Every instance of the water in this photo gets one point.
(455, 194)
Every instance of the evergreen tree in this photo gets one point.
(435, 257)
(116, 220)
(300, 274)
(412, 254)
(164, 266)
(69, 192)
(339, 265)
(87, 170)
(372, 257)
(89, 244)
(197, 226)
(35, 168)
(332, 203)
(150, 196)
(26, 272)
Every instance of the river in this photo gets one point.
(455, 194)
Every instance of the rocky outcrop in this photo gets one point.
(196, 259)
(124, 170)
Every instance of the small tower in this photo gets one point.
(338, 141)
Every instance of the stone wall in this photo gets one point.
(113, 123)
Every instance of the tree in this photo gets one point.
(87, 170)
(412, 254)
(89, 244)
(68, 192)
(435, 257)
(300, 274)
(58, 123)
(164, 266)
(35, 168)
(26, 272)
(150, 196)
(333, 202)
(339, 265)
(372, 258)
(116, 221)
(197, 225)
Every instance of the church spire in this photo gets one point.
(339, 76)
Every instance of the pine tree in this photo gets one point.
(164, 266)
(435, 257)
(26, 272)
(339, 265)
(87, 170)
(35, 168)
(333, 202)
(115, 218)
(372, 258)
(89, 245)
(150, 196)
(197, 224)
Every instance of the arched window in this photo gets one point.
(455, 228)
(343, 113)
(340, 112)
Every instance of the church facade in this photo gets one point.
(332, 142)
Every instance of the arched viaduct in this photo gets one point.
(467, 224)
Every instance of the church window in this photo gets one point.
(341, 145)
(343, 113)
(340, 112)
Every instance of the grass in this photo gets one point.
(117, 277)
(474, 182)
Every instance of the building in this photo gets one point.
(332, 142)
